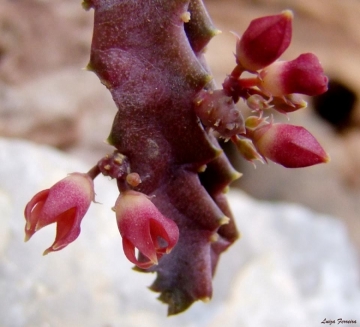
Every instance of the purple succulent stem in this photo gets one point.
(151, 59)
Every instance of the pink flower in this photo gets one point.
(303, 75)
(288, 145)
(142, 226)
(66, 203)
(264, 41)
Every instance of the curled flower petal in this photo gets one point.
(288, 145)
(66, 203)
(303, 75)
(143, 227)
(264, 41)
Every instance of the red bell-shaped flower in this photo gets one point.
(142, 226)
(66, 203)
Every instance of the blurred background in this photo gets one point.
(47, 98)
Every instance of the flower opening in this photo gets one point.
(142, 226)
(65, 203)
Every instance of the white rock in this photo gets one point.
(292, 267)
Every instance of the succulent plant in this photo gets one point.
(170, 170)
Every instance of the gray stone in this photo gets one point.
(292, 267)
(67, 109)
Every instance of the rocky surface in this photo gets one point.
(292, 267)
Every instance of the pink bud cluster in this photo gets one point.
(265, 40)
(277, 85)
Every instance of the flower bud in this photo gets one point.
(288, 145)
(66, 203)
(114, 165)
(257, 103)
(288, 103)
(142, 226)
(247, 148)
(218, 111)
(302, 75)
(254, 122)
(264, 41)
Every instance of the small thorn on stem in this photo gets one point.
(224, 220)
(185, 17)
(133, 179)
(214, 238)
